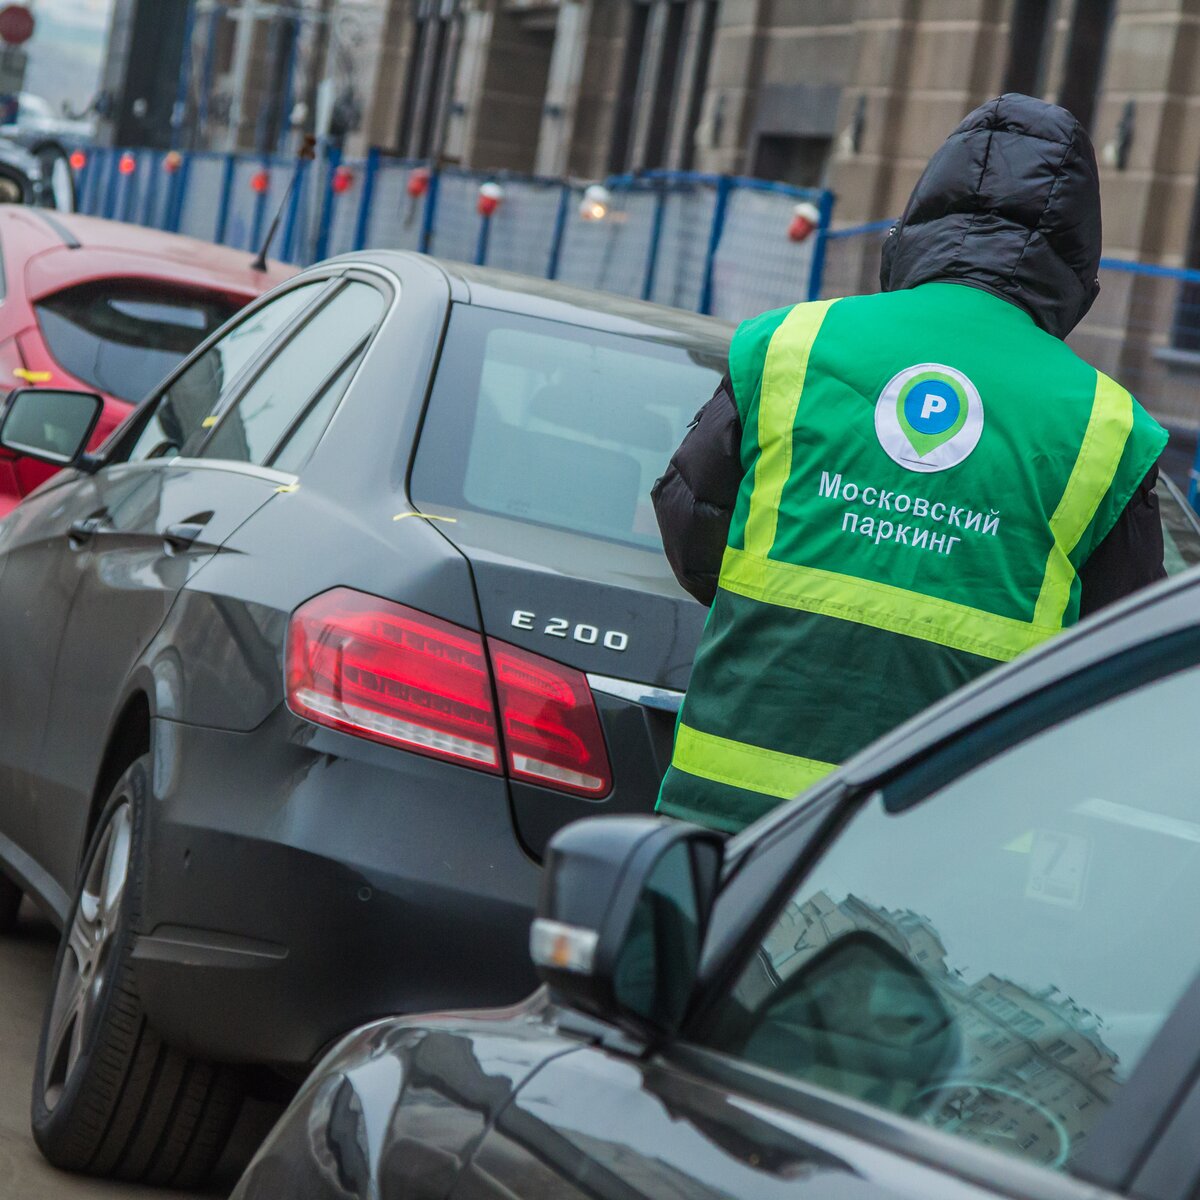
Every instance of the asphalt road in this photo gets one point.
(26, 959)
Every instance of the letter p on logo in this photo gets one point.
(933, 404)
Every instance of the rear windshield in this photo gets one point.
(124, 338)
(556, 424)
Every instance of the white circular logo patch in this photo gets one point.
(929, 418)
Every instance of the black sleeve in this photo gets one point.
(1130, 557)
(695, 497)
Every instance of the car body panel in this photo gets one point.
(511, 1103)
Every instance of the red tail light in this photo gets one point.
(551, 729)
(394, 675)
(382, 671)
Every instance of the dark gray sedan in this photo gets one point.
(300, 672)
(961, 968)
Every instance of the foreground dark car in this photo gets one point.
(301, 672)
(963, 967)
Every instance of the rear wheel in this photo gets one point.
(109, 1097)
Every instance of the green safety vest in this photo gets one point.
(924, 473)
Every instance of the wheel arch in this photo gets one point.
(127, 742)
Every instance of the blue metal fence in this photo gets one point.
(715, 244)
(706, 242)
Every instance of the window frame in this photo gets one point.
(279, 345)
(122, 439)
(1159, 1085)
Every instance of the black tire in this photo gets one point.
(117, 1101)
(10, 903)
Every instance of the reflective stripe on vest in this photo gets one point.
(752, 573)
(742, 765)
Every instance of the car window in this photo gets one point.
(1181, 533)
(995, 960)
(125, 338)
(302, 438)
(295, 376)
(557, 424)
(185, 410)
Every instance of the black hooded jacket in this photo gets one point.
(1009, 203)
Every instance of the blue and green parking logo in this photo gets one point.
(929, 417)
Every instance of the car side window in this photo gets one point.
(296, 378)
(186, 409)
(300, 441)
(995, 960)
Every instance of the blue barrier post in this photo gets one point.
(429, 216)
(363, 223)
(560, 229)
(287, 250)
(114, 177)
(226, 196)
(660, 204)
(485, 227)
(83, 180)
(179, 182)
(725, 185)
(260, 207)
(129, 190)
(816, 272)
(332, 162)
(150, 191)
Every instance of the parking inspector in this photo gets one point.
(890, 494)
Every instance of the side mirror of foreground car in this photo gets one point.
(52, 426)
(624, 908)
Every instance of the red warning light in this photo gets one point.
(127, 165)
(418, 182)
(172, 161)
(260, 182)
(343, 181)
(78, 160)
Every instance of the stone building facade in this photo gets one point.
(849, 94)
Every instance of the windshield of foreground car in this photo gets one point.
(1041, 901)
(558, 424)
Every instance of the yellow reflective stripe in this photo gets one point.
(1108, 430)
(880, 605)
(784, 370)
(744, 766)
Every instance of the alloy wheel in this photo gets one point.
(83, 965)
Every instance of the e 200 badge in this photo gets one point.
(929, 418)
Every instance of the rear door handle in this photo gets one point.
(80, 532)
(180, 537)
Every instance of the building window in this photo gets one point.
(795, 159)
(1087, 47)
(1027, 39)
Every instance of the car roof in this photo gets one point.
(490, 287)
(65, 248)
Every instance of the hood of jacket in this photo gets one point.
(1009, 203)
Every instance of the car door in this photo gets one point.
(48, 543)
(161, 522)
(986, 985)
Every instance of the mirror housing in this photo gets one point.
(51, 425)
(624, 908)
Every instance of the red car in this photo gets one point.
(107, 307)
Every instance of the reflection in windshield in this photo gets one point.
(1033, 1073)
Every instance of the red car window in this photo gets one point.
(124, 337)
